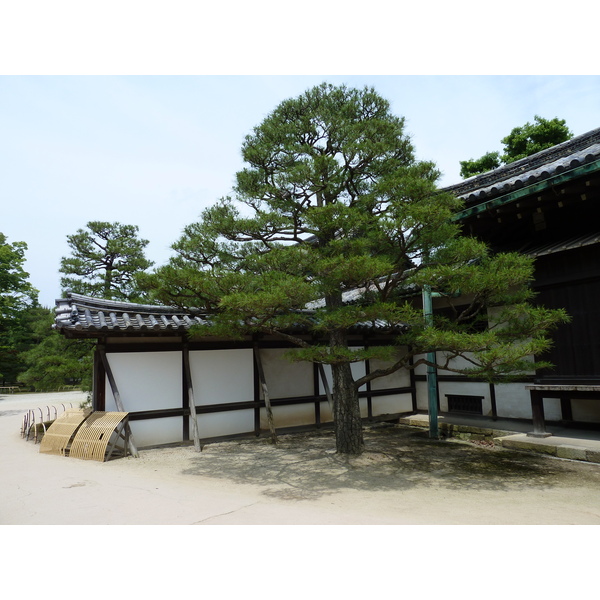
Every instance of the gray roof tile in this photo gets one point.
(577, 152)
(81, 315)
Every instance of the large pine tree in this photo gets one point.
(332, 206)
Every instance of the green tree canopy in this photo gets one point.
(52, 361)
(105, 259)
(17, 296)
(335, 225)
(519, 143)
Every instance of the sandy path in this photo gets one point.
(397, 481)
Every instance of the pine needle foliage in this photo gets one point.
(334, 224)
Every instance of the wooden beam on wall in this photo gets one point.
(265, 391)
(190, 393)
(117, 397)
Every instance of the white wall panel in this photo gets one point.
(326, 412)
(222, 376)
(225, 423)
(358, 371)
(389, 405)
(286, 379)
(153, 432)
(145, 380)
(466, 388)
(289, 416)
(584, 410)
(401, 378)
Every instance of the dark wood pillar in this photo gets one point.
(565, 408)
(99, 383)
(493, 401)
(413, 385)
(537, 413)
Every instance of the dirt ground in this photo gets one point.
(403, 478)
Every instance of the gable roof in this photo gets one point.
(77, 313)
(579, 155)
(82, 316)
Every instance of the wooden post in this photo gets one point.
(192, 402)
(325, 385)
(537, 413)
(263, 384)
(493, 401)
(117, 396)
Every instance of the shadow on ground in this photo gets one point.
(396, 458)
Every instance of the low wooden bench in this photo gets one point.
(565, 393)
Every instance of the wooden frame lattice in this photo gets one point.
(59, 435)
(98, 438)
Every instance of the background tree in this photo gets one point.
(334, 213)
(105, 260)
(519, 143)
(17, 296)
(52, 361)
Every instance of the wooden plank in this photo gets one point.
(191, 400)
(57, 438)
(265, 391)
(117, 397)
(92, 440)
(326, 386)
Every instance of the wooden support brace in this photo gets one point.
(191, 400)
(265, 390)
(113, 386)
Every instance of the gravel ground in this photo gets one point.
(401, 478)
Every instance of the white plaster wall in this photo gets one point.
(421, 369)
(326, 412)
(148, 381)
(286, 379)
(513, 401)
(401, 378)
(145, 380)
(422, 400)
(364, 407)
(289, 416)
(358, 371)
(473, 388)
(224, 423)
(222, 376)
(585, 410)
(157, 431)
(388, 405)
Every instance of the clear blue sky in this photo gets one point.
(153, 151)
(136, 113)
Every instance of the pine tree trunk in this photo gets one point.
(347, 422)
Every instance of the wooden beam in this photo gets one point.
(326, 386)
(191, 401)
(263, 384)
(117, 397)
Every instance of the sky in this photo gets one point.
(154, 151)
(136, 113)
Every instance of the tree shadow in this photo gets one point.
(396, 458)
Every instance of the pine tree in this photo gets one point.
(335, 213)
(106, 257)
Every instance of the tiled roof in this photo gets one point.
(577, 152)
(78, 314)
(82, 313)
